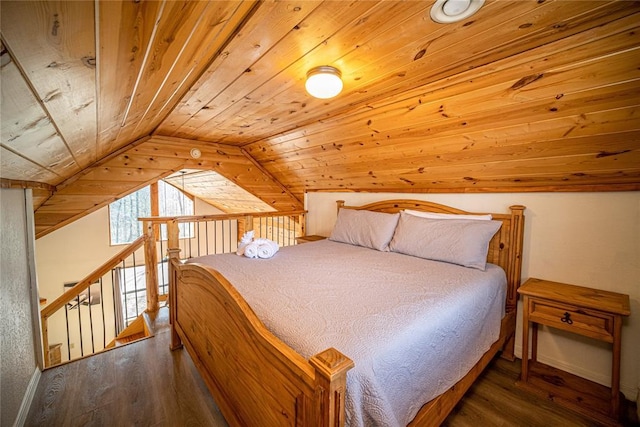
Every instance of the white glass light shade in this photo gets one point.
(324, 82)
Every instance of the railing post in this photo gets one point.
(173, 235)
(244, 224)
(45, 340)
(151, 266)
(174, 257)
(173, 249)
(248, 226)
(303, 227)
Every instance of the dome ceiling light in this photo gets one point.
(448, 11)
(324, 82)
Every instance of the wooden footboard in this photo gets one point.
(254, 377)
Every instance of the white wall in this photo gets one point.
(589, 239)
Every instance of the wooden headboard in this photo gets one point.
(505, 248)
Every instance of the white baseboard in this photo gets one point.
(631, 392)
(28, 398)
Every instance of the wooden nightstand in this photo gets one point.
(307, 239)
(589, 312)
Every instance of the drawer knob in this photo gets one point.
(566, 318)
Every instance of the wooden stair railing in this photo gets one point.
(148, 240)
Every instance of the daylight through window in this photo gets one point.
(124, 213)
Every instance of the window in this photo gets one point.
(174, 202)
(124, 213)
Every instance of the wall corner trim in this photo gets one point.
(28, 398)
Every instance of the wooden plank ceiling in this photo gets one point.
(100, 98)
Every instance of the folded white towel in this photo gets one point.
(258, 248)
(251, 250)
(247, 238)
(267, 248)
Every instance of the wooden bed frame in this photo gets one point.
(256, 379)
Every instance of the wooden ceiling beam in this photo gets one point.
(542, 186)
(231, 162)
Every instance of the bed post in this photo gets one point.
(331, 368)
(174, 258)
(514, 277)
(173, 243)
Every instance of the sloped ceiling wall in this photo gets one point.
(101, 98)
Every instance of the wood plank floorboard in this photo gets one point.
(494, 400)
(146, 384)
(139, 384)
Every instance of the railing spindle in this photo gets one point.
(135, 286)
(114, 297)
(215, 237)
(93, 347)
(206, 236)
(222, 236)
(80, 326)
(125, 293)
(66, 316)
(104, 322)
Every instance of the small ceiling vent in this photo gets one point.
(448, 11)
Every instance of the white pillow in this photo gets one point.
(464, 242)
(434, 215)
(365, 228)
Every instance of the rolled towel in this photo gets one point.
(267, 249)
(247, 238)
(251, 250)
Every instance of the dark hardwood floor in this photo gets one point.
(494, 400)
(139, 384)
(145, 384)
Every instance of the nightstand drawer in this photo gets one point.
(590, 323)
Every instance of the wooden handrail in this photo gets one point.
(81, 286)
(73, 292)
(199, 218)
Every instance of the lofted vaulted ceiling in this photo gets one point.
(100, 98)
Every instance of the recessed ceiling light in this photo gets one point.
(448, 11)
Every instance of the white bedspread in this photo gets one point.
(413, 327)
